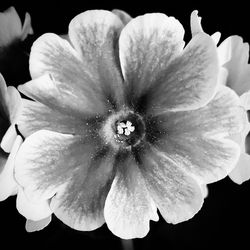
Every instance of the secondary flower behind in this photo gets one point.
(234, 73)
(125, 120)
(10, 104)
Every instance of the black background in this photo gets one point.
(225, 217)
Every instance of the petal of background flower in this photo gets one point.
(9, 139)
(70, 84)
(75, 171)
(33, 226)
(27, 28)
(10, 104)
(36, 116)
(3, 99)
(216, 37)
(94, 34)
(225, 51)
(195, 140)
(13, 104)
(190, 81)
(196, 28)
(177, 195)
(3, 159)
(32, 210)
(238, 67)
(241, 171)
(124, 16)
(128, 207)
(195, 23)
(204, 190)
(147, 45)
(10, 26)
(8, 184)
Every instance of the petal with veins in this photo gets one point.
(76, 171)
(190, 81)
(80, 204)
(94, 34)
(177, 195)
(128, 207)
(195, 138)
(36, 116)
(147, 45)
(62, 80)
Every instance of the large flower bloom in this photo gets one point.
(125, 120)
(234, 73)
(10, 104)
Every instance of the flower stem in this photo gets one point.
(127, 244)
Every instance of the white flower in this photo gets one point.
(126, 119)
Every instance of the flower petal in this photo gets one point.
(225, 51)
(36, 161)
(241, 172)
(216, 37)
(13, 104)
(245, 100)
(27, 28)
(195, 23)
(238, 67)
(204, 190)
(124, 16)
(195, 140)
(94, 34)
(36, 116)
(177, 195)
(80, 204)
(8, 184)
(69, 83)
(33, 226)
(75, 171)
(128, 207)
(9, 139)
(3, 159)
(32, 210)
(10, 26)
(190, 81)
(4, 111)
(147, 45)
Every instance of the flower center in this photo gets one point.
(124, 129)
